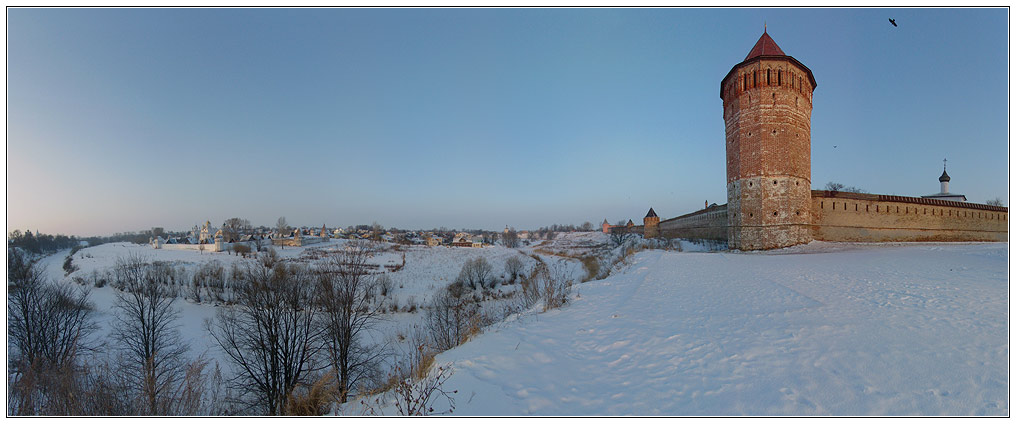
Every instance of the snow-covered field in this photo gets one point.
(821, 329)
(833, 329)
(427, 270)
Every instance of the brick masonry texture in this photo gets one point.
(767, 112)
(879, 218)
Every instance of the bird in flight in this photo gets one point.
(893, 21)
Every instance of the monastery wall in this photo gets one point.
(857, 217)
(209, 247)
(709, 223)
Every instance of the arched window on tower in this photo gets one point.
(745, 84)
(754, 79)
(768, 79)
(779, 77)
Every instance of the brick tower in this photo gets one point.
(651, 224)
(767, 112)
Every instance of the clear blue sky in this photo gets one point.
(121, 120)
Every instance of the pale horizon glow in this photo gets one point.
(126, 119)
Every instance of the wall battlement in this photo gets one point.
(858, 217)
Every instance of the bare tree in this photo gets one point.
(281, 226)
(995, 202)
(48, 327)
(345, 290)
(47, 324)
(233, 228)
(587, 226)
(147, 333)
(619, 235)
(476, 273)
(511, 239)
(271, 334)
(833, 186)
(513, 267)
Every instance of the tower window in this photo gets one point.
(779, 77)
(768, 72)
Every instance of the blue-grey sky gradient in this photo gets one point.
(125, 119)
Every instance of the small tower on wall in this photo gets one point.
(651, 224)
(606, 226)
(767, 112)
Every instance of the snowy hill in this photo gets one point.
(834, 329)
(821, 329)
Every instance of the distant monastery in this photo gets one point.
(767, 103)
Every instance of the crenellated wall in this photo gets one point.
(857, 217)
(709, 223)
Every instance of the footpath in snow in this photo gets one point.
(918, 329)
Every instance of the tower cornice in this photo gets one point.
(811, 77)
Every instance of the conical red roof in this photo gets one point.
(765, 47)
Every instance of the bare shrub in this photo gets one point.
(269, 258)
(209, 274)
(513, 267)
(71, 389)
(68, 265)
(241, 249)
(592, 267)
(313, 400)
(555, 287)
(549, 284)
(416, 398)
(384, 284)
(451, 317)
